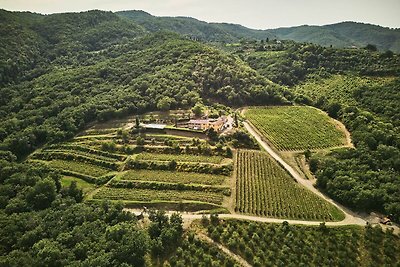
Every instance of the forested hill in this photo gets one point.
(346, 34)
(196, 29)
(30, 42)
(89, 66)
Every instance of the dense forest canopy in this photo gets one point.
(78, 85)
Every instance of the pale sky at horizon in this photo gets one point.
(257, 14)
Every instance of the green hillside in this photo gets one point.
(30, 42)
(343, 35)
(76, 93)
(75, 84)
(195, 29)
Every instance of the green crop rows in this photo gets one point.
(180, 157)
(144, 195)
(290, 245)
(172, 177)
(195, 252)
(264, 188)
(79, 167)
(296, 128)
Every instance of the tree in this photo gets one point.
(127, 244)
(125, 136)
(333, 109)
(388, 54)
(74, 192)
(164, 103)
(371, 47)
(212, 134)
(140, 141)
(198, 110)
(235, 119)
(137, 122)
(214, 219)
(42, 194)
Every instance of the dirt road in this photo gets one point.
(236, 257)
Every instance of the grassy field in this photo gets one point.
(296, 128)
(264, 244)
(264, 188)
(172, 177)
(180, 157)
(85, 186)
(145, 195)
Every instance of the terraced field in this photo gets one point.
(296, 128)
(264, 188)
(101, 157)
(171, 177)
(149, 195)
(180, 157)
(79, 167)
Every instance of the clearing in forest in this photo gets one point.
(292, 128)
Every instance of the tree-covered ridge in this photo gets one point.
(344, 34)
(289, 63)
(124, 79)
(193, 28)
(30, 42)
(366, 178)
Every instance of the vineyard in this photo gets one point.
(161, 169)
(296, 128)
(180, 157)
(172, 177)
(149, 195)
(264, 244)
(79, 167)
(264, 188)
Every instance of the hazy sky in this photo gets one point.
(260, 14)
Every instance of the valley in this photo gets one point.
(128, 139)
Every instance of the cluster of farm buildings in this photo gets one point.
(218, 124)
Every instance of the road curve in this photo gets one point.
(189, 217)
(350, 217)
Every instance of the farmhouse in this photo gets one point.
(205, 124)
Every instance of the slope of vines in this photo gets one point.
(264, 188)
(296, 128)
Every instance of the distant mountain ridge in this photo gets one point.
(344, 34)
